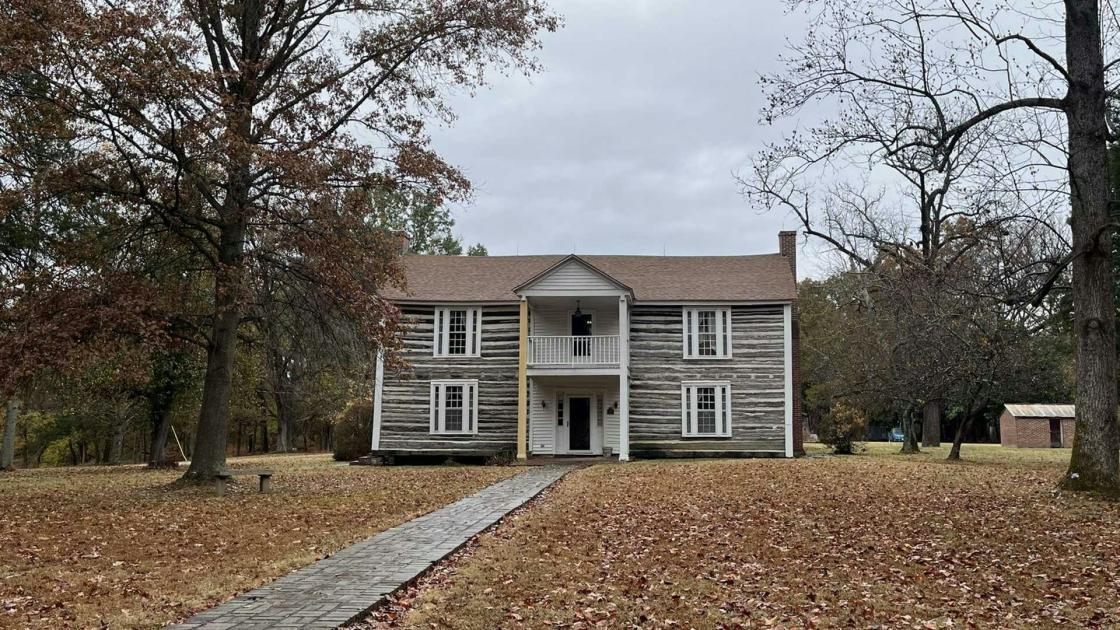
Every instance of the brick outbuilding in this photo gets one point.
(1037, 426)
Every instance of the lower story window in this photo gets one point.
(454, 407)
(706, 409)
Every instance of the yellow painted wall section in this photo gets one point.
(523, 382)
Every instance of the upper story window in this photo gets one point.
(457, 332)
(706, 409)
(707, 333)
(454, 407)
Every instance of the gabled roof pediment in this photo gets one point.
(573, 275)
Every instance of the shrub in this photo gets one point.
(842, 428)
(501, 458)
(353, 429)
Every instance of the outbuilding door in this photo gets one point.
(1055, 433)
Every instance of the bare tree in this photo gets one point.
(929, 75)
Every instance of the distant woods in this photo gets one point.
(200, 203)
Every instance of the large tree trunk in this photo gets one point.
(962, 430)
(8, 447)
(116, 441)
(931, 424)
(264, 435)
(910, 433)
(1095, 462)
(285, 412)
(212, 435)
(283, 432)
(160, 417)
(286, 409)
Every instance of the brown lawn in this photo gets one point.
(869, 540)
(89, 547)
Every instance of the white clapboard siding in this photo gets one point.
(542, 419)
(557, 321)
(572, 278)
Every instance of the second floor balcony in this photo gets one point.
(567, 351)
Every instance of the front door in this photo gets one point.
(579, 424)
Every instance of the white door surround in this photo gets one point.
(564, 441)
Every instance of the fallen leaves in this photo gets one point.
(85, 547)
(821, 542)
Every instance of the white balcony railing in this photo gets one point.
(591, 350)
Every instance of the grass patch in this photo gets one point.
(980, 454)
(116, 547)
(867, 540)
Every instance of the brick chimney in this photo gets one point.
(787, 246)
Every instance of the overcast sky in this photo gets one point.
(627, 141)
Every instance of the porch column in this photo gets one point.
(623, 379)
(523, 381)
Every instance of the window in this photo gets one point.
(457, 332)
(707, 333)
(454, 407)
(706, 409)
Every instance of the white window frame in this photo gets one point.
(437, 399)
(722, 403)
(441, 331)
(690, 328)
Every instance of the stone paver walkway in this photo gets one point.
(345, 586)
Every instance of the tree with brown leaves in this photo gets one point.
(253, 132)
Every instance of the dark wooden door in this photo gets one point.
(1055, 433)
(579, 424)
(581, 329)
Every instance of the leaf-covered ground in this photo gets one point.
(89, 547)
(863, 541)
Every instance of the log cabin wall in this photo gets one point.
(406, 404)
(755, 371)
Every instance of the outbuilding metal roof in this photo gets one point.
(1040, 411)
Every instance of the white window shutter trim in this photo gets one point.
(476, 336)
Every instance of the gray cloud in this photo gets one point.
(626, 142)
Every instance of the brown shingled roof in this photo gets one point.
(765, 277)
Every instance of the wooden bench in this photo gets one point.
(223, 477)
